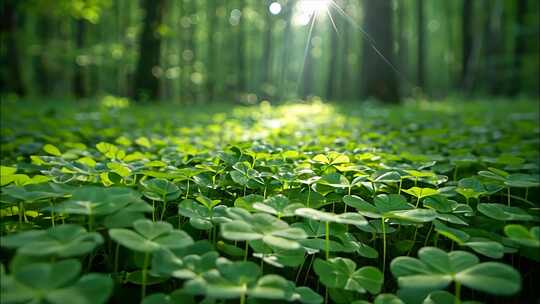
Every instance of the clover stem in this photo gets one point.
(374, 189)
(153, 211)
(415, 180)
(428, 234)
(457, 293)
(455, 173)
(164, 208)
(436, 239)
(327, 236)
(400, 182)
(414, 240)
(508, 195)
(526, 192)
(299, 271)
(309, 268)
(243, 298)
(308, 195)
(116, 252)
(417, 201)
(145, 266)
(264, 193)
(326, 295)
(52, 214)
(187, 191)
(20, 213)
(384, 246)
(90, 222)
(246, 251)
(244, 190)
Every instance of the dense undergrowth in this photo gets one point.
(350, 203)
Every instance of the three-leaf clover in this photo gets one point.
(342, 273)
(436, 269)
(61, 241)
(54, 283)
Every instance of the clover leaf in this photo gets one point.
(55, 283)
(261, 226)
(342, 273)
(61, 241)
(277, 205)
(436, 269)
(150, 236)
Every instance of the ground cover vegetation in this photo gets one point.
(307, 202)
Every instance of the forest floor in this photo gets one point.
(455, 175)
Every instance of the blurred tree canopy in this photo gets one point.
(196, 51)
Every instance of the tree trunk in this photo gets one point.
(146, 82)
(11, 79)
(378, 76)
(421, 82)
(333, 64)
(493, 37)
(79, 76)
(267, 56)
(307, 73)
(287, 35)
(241, 57)
(467, 44)
(520, 46)
(41, 64)
(211, 69)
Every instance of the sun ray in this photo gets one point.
(306, 49)
(332, 20)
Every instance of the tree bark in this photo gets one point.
(10, 82)
(146, 82)
(378, 77)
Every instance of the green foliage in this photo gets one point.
(221, 208)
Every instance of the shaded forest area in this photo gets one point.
(197, 51)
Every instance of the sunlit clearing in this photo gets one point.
(305, 10)
(275, 8)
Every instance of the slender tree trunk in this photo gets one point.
(344, 92)
(267, 56)
(333, 64)
(146, 80)
(467, 43)
(79, 75)
(211, 69)
(493, 37)
(287, 38)
(241, 57)
(307, 73)
(520, 46)
(378, 77)
(11, 82)
(41, 63)
(402, 40)
(421, 29)
(190, 52)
